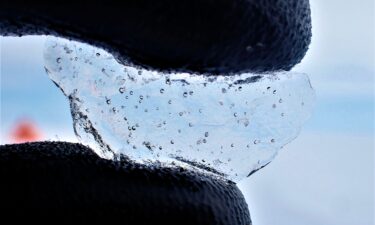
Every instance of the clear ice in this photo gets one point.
(227, 125)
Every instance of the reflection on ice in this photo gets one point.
(228, 125)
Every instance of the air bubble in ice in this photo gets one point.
(209, 128)
(121, 90)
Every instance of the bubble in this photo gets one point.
(249, 48)
(207, 124)
(121, 90)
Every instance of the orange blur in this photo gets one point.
(25, 131)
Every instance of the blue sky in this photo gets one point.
(324, 177)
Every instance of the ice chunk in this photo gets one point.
(228, 125)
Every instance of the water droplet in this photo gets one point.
(58, 60)
(169, 101)
(97, 54)
(131, 92)
(272, 140)
(274, 92)
(206, 134)
(274, 106)
(172, 142)
(185, 94)
(162, 91)
(223, 90)
(280, 100)
(256, 142)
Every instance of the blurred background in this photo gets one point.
(324, 177)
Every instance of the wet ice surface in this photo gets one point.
(228, 125)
